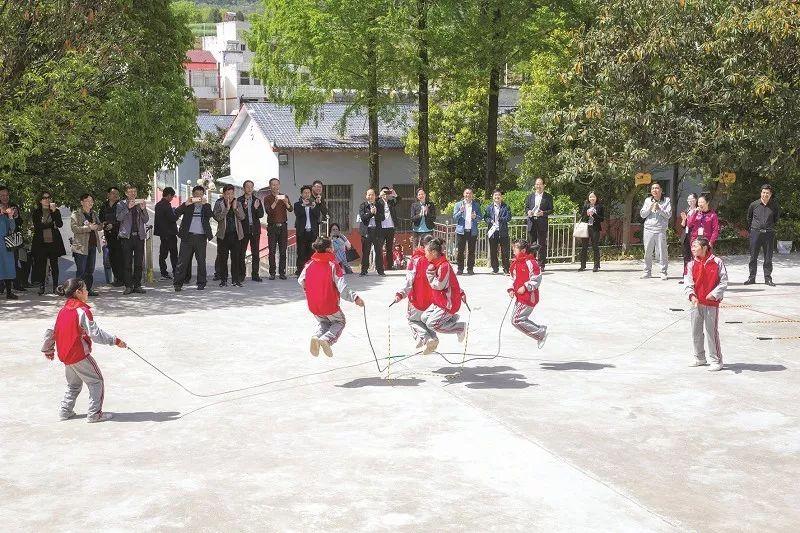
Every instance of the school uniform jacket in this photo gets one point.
(706, 279)
(73, 333)
(417, 288)
(323, 281)
(525, 272)
(444, 284)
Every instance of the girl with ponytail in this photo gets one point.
(526, 276)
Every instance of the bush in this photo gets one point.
(563, 205)
(787, 229)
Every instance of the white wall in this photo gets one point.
(252, 156)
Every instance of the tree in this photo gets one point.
(214, 15)
(214, 156)
(307, 49)
(91, 95)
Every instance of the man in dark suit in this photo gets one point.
(497, 217)
(306, 225)
(195, 231)
(251, 225)
(166, 227)
(538, 206)
(316, 194)
(389, 224)
(371, 213)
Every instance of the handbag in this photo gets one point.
(581, 230)
(351, 255)
(13, 240)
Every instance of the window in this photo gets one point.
(204, 78)
(244, 77)
(407, 193)
(338, 199)
(256, 81)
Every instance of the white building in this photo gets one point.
(265, 143)
(237, 85)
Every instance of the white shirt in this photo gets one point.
(387, 220)
(308, 217)
(537, 201)
(371, 220)
(467, 215)
(497, 214)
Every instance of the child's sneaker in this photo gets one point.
(699, 363)
(431, 346)
(63, 415)
(540, 342)
(716, 367)
(420, 343)
(462, 335)
(99, 417)
(326, 347)
(314, 347)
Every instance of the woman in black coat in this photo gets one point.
(47, 245)
(593, 214)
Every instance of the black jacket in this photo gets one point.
(366, 215)
(187, 211)
(38, 244)
(546, 206)
(300, 217)
(762, 217)
(257, 213)
(166, 223)
(416, 215)
(108, 214)
(599, 215)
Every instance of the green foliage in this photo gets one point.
(214, 156)
(92, 95)
(563, 205)
(787, 229)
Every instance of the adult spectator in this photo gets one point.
(317, 189)
(5, 204)
(655, 211)
(166, 227)
(761, 218)
(108, 215)
(538, 207)
(371, 213)
(86, 227)
(229, 215)
(195, 232)
(278, 207)
(251, 227)
(466, 214)
(340, 245)
(704, 222)
(47, 245)
(423, 217)
(8, 271)
(686, 238)
(132, 215)
(306, 225)
(497, 217)
(592, 213)
(389, 224)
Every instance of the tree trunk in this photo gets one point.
(491, 132)
(372, 119)
(422, 126)
(626, 219)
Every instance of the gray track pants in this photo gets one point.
(655, 242)
(438, 320)
(521, 319)
(330, 327)
(419, 329)
(705, 323)
(84, 371)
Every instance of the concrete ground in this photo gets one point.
(604, 429)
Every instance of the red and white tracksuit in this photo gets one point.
(324, 284)
(420, 294)
(525, 272)
(72, 337)
(706, 279)
(442, 315)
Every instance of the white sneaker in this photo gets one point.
(699, 363)
(326, 347)
(462, 335)
(99, 417)
(664, 277)
(541, 341)
(431, 346)
(716, 367)
(420, 343)
(66, 416)
(646, 275)
(314, 347)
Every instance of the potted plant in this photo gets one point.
(787, 232)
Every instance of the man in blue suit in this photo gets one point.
(497, 217)
(466, 214)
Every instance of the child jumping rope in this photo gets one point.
(526, 276)
(705, 282)
(323, 280)
(447, 296)
(419, 292)
(72, 337)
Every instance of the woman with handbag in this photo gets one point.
(592, 216)
(8, 271)
(47, 245)
(691, 200)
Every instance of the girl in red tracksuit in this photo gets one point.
(526, 276)
(323, 281)
(419, 292)
(446, 294)
(705, 282)
(72, 337)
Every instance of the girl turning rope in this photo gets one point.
(419, 292)
(324, 284)
(72, 336)
(446, 295)
(526, 276)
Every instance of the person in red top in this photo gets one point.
(446, 297)
(322, 279)
(72, 337)
(419, 292)
(705, 283)
(526, 276)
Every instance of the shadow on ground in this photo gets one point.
(738, 368)
(381, 382)
(576, 365)
(146, 416)
(485, 377)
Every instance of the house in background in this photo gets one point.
(265, 143)
(201, 74)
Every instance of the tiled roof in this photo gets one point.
(277, 124)
(210, 123)
(200, 56)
